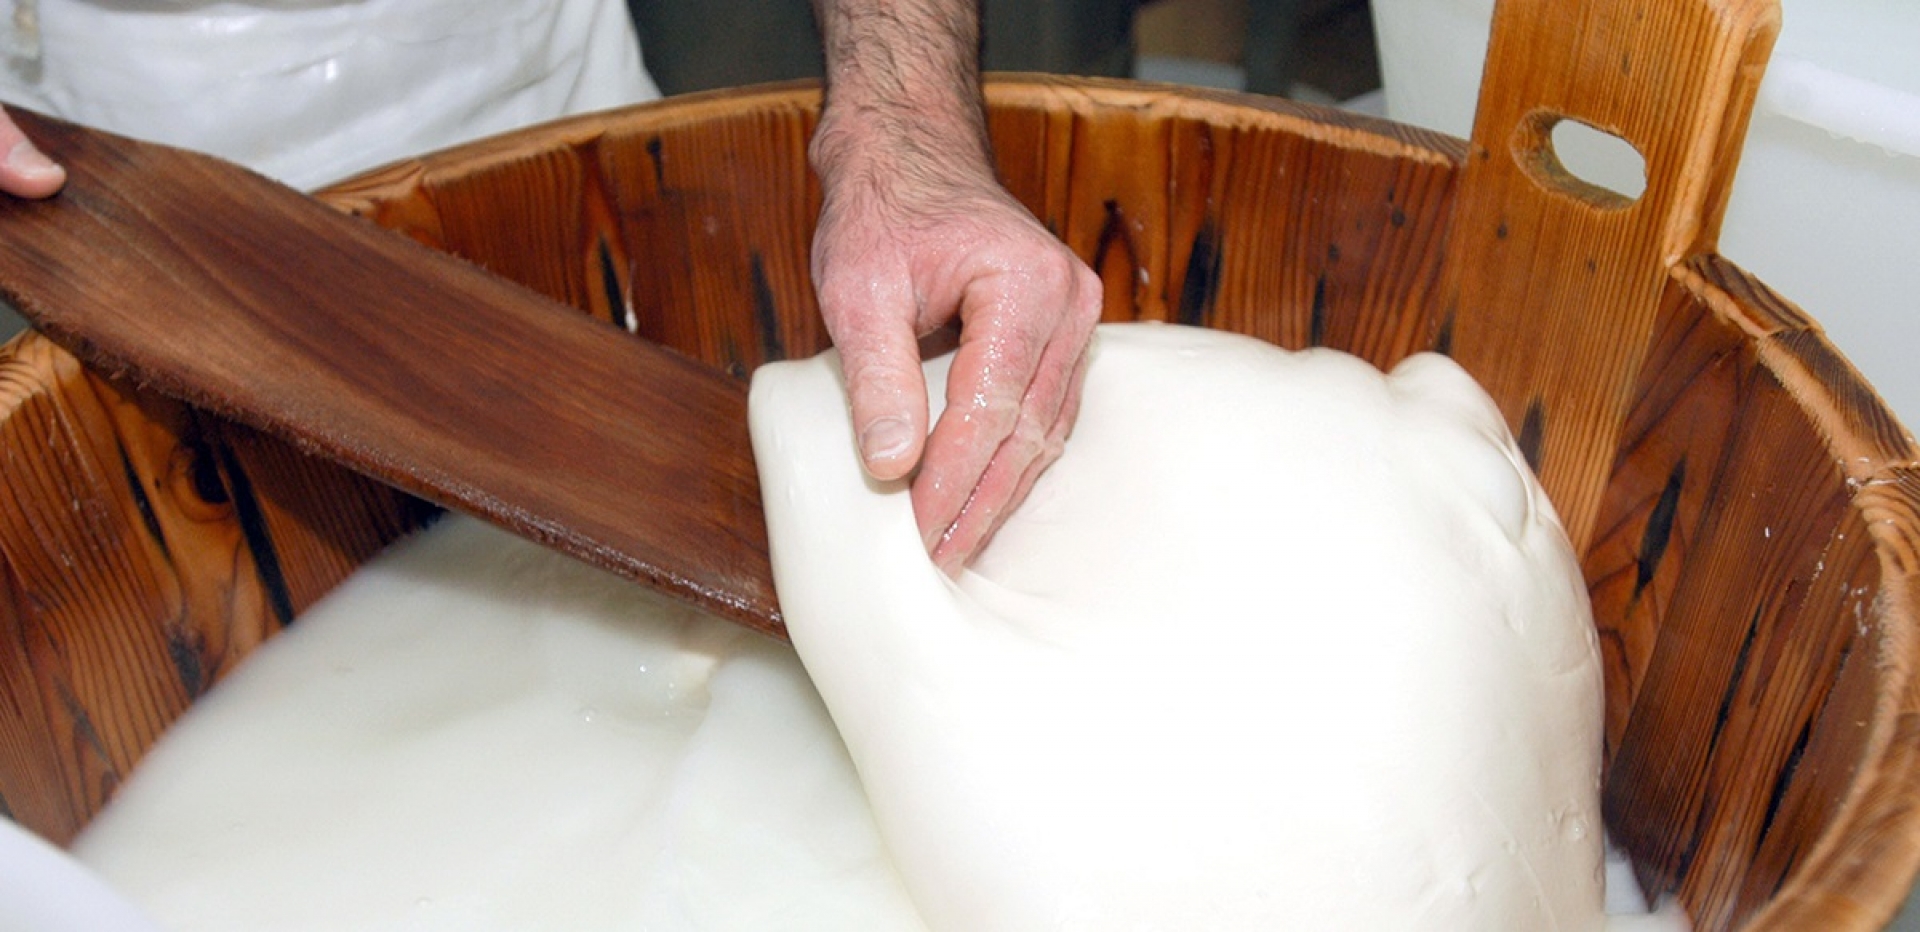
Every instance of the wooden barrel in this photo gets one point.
(1746, 508)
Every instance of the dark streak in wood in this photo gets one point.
(1202, 280)
(253, 528)
(654, 149)
(610, 286)
(202, 464)
(766, 311)
(83, 730)
(137, 489)
(185, 651)
(1114, 231)
(1735, 679)
(1797, 842)
(1317, 321)
(1784, 779)
(1653, 542)
(1533, 434)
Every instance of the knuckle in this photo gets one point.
(1058, 275)
(874, 376)
(1088, 295)
(998, 413)
(1026, 440)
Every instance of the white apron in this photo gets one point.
(308, 91)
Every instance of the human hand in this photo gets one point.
(899, 252)
(915, 232)
(25, 171)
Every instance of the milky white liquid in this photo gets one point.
(475, 734)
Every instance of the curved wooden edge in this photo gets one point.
(1232, 110)
(1834, 886)
(1859, 872)
(1143, 180)
(368, 192)
(1868, 439)
(1347, 198)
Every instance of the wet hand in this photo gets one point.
(897, 257)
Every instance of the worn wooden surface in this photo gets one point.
(1737, 581)
(1751, 513)
(1586, 264)
(145, 548)
(219, 287)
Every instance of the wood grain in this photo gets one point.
(1674, 80)
(224, 289)
(145, 549)
(1752, 510)
(270, 534)
(1670, 451)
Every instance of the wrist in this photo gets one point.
(903, 92)
(874, 144)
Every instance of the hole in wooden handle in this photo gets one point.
(1580, 160)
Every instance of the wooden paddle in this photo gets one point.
(239, 295)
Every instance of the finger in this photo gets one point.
(992, 503)
(25, 171)
(1010, 381)
(987, 387)
(975, 460)
(987, 506)
(886, 391)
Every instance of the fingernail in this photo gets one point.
(885, 438)
(28, 160)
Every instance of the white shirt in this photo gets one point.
(309, 91)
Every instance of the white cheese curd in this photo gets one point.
(1279, 642)
(475, 734)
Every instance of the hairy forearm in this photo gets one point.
(914, 234)
(902, 90)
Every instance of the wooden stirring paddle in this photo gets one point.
(241, 296)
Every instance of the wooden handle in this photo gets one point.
(219, 287)
(1676, 80)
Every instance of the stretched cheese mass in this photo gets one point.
(1279, 642)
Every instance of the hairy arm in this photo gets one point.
(916, 232)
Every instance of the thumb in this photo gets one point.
(24, 170)
(880, 359)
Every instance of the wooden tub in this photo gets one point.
(1746, 507)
